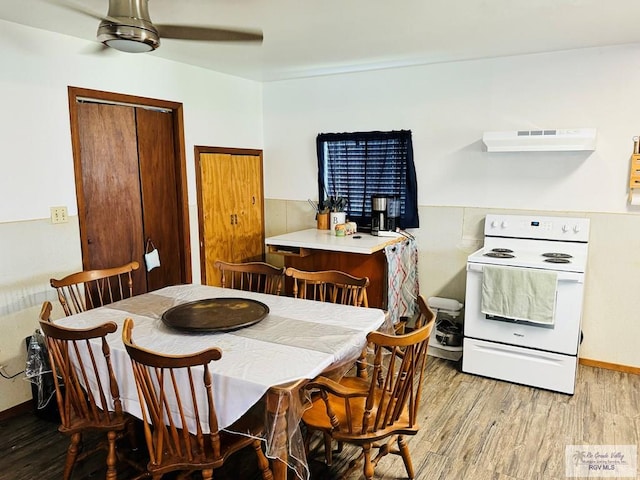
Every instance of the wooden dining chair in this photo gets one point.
(329, 286)
(252, 276)
(175, 383)
(374, 413)
(424, 316)
(336, 287)
(332, 286)
(88, 289)
(81, 357)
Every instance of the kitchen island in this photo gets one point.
(360, 255)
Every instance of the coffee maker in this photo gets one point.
(393, 213)
(385, 214)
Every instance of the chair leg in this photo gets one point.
(406, 456)
(328, 447)
(361, 365)
(368, 464)
(131, 435)
(328, 454)
(207, 474)
(72, 455)
(112, 458)
(263, 463)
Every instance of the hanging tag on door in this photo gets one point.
(151, 257)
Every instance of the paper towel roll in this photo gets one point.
(444, 304)
(634, 196)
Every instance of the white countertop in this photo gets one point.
(327, 240)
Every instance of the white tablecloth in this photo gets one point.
(299, 339)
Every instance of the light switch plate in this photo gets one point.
(59, 215)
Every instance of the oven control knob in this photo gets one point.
(576, 229)
(494, 224)
(504, 224)
(565, 228)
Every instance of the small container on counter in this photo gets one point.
(322, 221)
(348, 228)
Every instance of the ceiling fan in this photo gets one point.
(127, 27)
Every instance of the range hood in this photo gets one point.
(550, 140)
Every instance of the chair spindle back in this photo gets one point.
(160, 390)
(77, 363)
(89, 289)
(330, 286)
(251, 276)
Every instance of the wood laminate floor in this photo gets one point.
(472, 428)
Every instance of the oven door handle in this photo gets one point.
(569, 277)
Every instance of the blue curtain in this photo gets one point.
(362, 164)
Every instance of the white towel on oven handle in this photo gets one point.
(520, 294)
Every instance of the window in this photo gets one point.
(359, 165)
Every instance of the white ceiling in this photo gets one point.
(306, 38)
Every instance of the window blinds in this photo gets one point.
(359, 165)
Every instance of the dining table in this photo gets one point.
(268, 360)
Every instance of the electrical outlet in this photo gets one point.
(59, 215)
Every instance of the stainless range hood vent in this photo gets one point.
(548, 140)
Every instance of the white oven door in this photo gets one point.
(562, 337)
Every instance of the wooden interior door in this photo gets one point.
(230, 207)
(108, 183)
(130, 172)
(249, 225)
(217, 220)
(160, 215)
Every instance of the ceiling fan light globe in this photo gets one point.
(128, 38)
(128, 46)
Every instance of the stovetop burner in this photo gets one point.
(558, 260)
(557, 255)
(496, 253)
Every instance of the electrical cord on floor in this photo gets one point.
(3, 374)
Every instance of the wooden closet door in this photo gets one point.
(231, 208)
(130, 174)
(217, 206)
(249, 229)
(160, 216)
(109, 204)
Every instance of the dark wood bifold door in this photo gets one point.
(130, 190)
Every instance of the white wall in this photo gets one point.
(37, 163)
(447, 107)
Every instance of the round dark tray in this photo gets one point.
(215, 314)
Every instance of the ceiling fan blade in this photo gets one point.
(208, 34)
